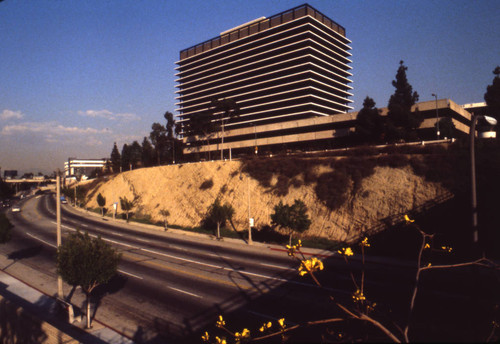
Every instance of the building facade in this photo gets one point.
(80, 167)
(281, 72)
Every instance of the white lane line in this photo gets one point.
(117, 234)
(179, 258)
(45, 242)
(84, 225)
(218, 256)
(129, 274)
(122, 243)
(143, 240)
(185, 292)
(277, 266)
(221, 267)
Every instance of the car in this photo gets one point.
(16, 209)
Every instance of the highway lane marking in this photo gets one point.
(185, 292)
(144, 240)
(218, 256)
(277, 266)
(185, 272)
(37, 238)
(129, 274)
(122, 243)
(225, 268)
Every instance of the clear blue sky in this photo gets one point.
(75, 76)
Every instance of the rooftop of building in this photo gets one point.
(261, 24)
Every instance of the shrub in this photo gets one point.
(207, 184)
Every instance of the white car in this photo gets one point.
(16, 209)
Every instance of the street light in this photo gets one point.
(472, 134)
(437, 116)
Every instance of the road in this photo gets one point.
(171, 287)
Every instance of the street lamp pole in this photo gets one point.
(437, 116)
(58, 229)
(472, 134)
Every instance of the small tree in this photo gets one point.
(115, 159)
(101, 201)
(293, 217)
(126, 205)
(492, 95)
(5, 226)
(401, 121)
(219, 214)
(446, 127)
(369, 122)
(86, 262)
(165, 213)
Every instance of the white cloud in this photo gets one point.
(9, 114)
(109, 115)
(50, 130)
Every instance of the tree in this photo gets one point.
(165, 213)
(401, 121)
(369, 122)
(126, 157)
(6, 190)
(135, 154)
(159, 140)
(293, 217)
(227, 109)
(101, 201)
(5, 227)
(219, 214)
(126, 205)
(148, 154)
(446, 127)
(201, 125)
(172, 130)
(86, 262)
(492, 95)
(115, 159)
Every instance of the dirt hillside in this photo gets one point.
(187, 190)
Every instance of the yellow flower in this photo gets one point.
(220, 322)
(265, 326)
(447, 248)
(294, 248)
(244, 334)
(426, 246)
(282, 322)
(220, 341)
(429, 264)
(310, 265)
(345, 251)
(408, 220)
(205, 337)
(365, 242)
(358, 296)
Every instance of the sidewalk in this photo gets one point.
(29, 315)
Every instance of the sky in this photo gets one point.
(77, 76)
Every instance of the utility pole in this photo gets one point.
(58, 226)
(250, 220)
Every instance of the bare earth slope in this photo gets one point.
(187, 191)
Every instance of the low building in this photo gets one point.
(327, 132)
(80, 167)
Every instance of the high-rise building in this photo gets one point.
(280, 72)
